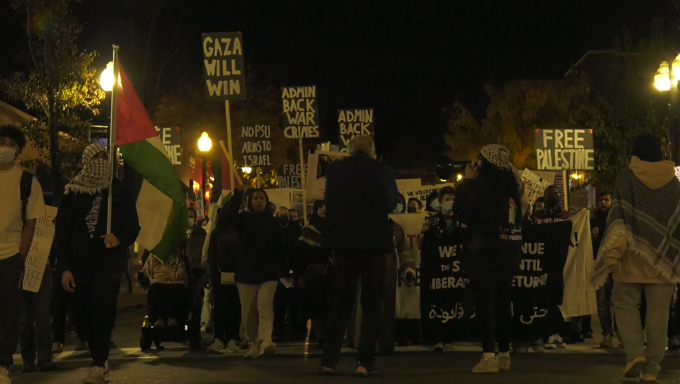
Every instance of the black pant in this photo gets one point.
(349, 266)
(493, 311)
(11, 281)
(280, 310)
(62, 306)
(95, 301)
(167, 301)
(226, 311)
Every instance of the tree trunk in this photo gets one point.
(55, 168)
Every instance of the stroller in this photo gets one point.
(189, 327)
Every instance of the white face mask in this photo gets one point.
(191, 222)
(7, 155)
(400, 207)
(447, 208)
(435, 205)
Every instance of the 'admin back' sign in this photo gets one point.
(568, 149)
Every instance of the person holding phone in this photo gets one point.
(488, 202)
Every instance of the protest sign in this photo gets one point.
(446, 309)
(289, 176)
(171, 140)
(408, 296)
(354, 122)
(223, 64)
(318, 165)
(256, 146)
(200, 206)
(565, 149)
(422, 192)
(404, 184)
(534, 186)
(538, 285)
(280, 197)
(579, 295)
(39, 253)
(300, 112)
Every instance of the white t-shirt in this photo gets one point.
(10, 206)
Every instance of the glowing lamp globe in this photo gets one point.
(662, 80)
(204, 142)
(106, 78)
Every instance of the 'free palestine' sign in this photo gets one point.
(565, 149)
(225, 76)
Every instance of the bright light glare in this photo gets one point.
(106, 78)
(246, 170)
(662, 80)
(675, 68)
(204, 142)
(459, 177)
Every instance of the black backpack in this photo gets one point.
(25, 191)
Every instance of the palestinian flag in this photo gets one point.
(161, 204)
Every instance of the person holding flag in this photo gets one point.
(91, 258)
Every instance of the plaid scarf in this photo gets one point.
(650, 221)
(95, 175)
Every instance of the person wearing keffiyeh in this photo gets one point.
(90, 260)
(640, 248)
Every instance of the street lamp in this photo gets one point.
(106, 78)
(204, 145)
(666, 80)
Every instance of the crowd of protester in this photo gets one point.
(264, 274)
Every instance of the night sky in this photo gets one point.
(406, 59)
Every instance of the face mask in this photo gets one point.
(191, 222)
(435, 205)
(400, 208)
(97, 172)
(447, 207)
(412, 209)
(7, 155)
(551, 201)
(284, 220)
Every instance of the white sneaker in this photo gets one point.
(4, 376)
(503, 362)
(607, 341)
(253, 351)
(217, 347)
(439, 348)
(486, 366)
(448, 347)
(557, 340)
(267, 348)
(98, 375)
(233, 347)
(57, 348)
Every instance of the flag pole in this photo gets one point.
(227, 113)
(232, 171)
(112, 137)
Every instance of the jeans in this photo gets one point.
(350, 265)
(257, 310)
(95, 302)
(11, 280)
(36, 330)
(604, 309)
(627, 298)
(493, 311)
(226, 311)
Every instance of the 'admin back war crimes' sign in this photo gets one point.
(565, 149)
(225, 76)
(300, 112)
(354, 122)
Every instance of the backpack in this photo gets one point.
(25, 186)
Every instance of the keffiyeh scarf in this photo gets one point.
(499, 156)
(95, 175)
(649, 219)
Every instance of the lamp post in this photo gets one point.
(204, 146)
(666, 80)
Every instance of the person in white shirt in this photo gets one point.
(17, 224)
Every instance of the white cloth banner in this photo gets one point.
(408, 297)
(579, 296)
(39, 254)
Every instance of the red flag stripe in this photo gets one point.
(132, 120)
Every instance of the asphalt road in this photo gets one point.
(298, 363)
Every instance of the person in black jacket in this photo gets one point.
(488, 203)
(260, 265)
(287, 299)
(360, 194)
(91, 261)
(317, 264)
(222, 255)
